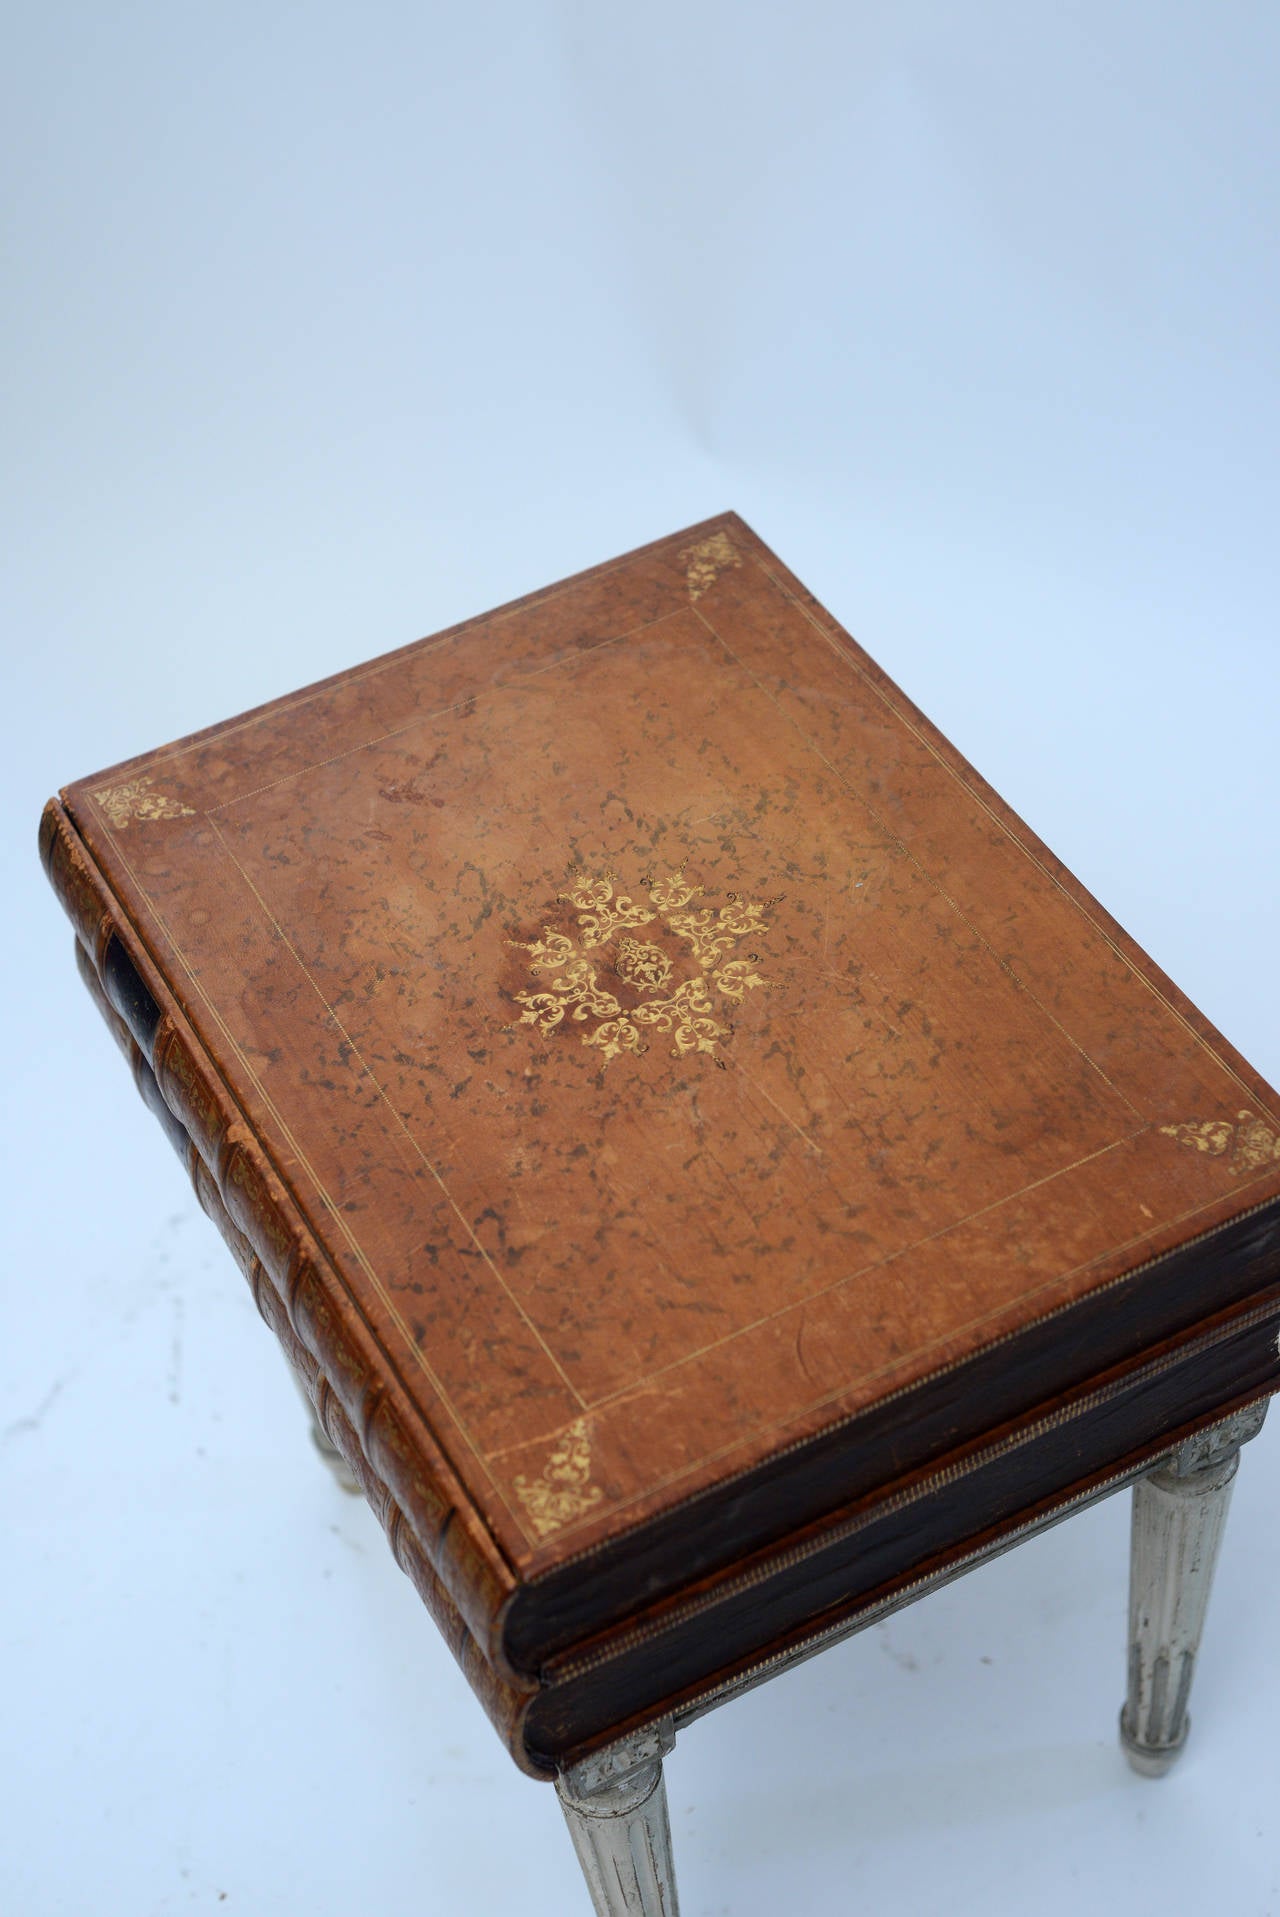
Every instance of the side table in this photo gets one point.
(714, 1174)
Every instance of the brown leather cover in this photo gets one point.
(660, 1079)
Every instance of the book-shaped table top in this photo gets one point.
(673, 1045)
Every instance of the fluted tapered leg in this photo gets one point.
(1179, 1514)
(615, 1805)
(333, 1457)
(325, 1446)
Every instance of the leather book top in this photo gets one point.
(675, 1046)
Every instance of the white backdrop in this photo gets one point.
(326, 327)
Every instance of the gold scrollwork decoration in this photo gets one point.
(711, 932)
(643, 965)
(600, 911)
(1250, 1140)
(574, 992)
(138, 799)
(688, 1015)
(563, 1491)
(551, 950)
(693, 1011)
(704, 563)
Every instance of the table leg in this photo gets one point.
(1179, 1513)
(333, 1457)
(615, 1805)
(324, 1443)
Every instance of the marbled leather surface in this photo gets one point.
(675, 1046)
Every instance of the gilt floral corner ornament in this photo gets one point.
(1250, 1140)
(138, 799)
(563, 1491)
(704, 563)
(645, 962)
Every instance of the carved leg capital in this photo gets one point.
(615, 1804)
(1179, 1514)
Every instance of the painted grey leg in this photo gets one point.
(1179, 1513)
(333, 1457)
(615, 1805)
(325, 1446)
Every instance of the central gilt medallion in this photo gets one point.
(647, 967)
(623, 988)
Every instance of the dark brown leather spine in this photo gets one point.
(895, 1542)
(436, 1525)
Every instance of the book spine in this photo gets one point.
(505, 1703)
(354, 1381)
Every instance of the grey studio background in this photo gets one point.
(325, 327)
